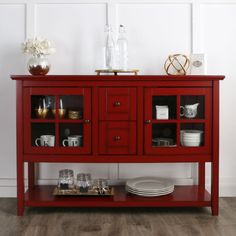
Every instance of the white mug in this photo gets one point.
(73, 141)
(45, 141)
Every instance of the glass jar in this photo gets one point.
(66, 179)
(84, 182)
(101, 186)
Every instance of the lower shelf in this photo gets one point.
(189, 196)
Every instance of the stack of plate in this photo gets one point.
(191, 138)
(150, 186)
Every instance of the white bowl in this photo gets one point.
(191, 139)
(191, 144)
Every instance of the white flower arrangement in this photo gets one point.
(37, 46)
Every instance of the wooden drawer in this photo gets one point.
(117, 103)
(117, 137)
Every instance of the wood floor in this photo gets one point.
(117, 222)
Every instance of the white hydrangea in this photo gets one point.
(37, 46)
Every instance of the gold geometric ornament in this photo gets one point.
(177, 64)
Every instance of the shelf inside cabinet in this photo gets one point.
(182, 196)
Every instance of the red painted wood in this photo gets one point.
(31, 174)
(182, 196)
(95, 113)
(201, 175)
(117, 137)
(124, 158)
(123, 77)
(215, 151)
(140, 119)
(117, 103)
(126, 122)
(19, 141)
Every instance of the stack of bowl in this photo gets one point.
(191, 138)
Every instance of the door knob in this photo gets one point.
(86, 121)
(117, 138)
(117, 104)
(147, 122)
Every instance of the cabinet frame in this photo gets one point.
(184, 196)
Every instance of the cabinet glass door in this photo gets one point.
(57, 120)
(177, 120)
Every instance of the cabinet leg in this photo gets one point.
(201, 175)
(215, 188)
(20, 208)
(215, 210)
(20, 188)
(31, 174)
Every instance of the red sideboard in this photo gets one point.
(116, 117)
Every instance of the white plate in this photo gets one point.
(149, 184)
(151, 194)
(154, 192)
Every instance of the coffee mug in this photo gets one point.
(45, 141)
(73, 141)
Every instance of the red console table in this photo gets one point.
(116, 118)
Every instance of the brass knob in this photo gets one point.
(117, 138)
(86, 121)
(117, 104)
(147, 122)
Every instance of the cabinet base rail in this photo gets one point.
(183, 196)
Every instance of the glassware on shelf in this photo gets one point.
(61, 110)
(66, 179)
(162, 142)
(42, 110)
(101, 186)
(84, 182)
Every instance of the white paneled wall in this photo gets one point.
(155, 29)
(12, 28)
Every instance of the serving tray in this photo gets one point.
(76, 192)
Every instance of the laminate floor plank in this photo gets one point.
(118, 222)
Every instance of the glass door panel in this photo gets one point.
(164, 107)
(42, 107)
(71, 107)
(42, 135)
(56, 118)
(176, 120)
(164, 135)
(192, 107)
(71, 135)
(192, 134)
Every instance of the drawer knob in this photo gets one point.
(117, 138)
(86, 121)
(147, 122)
(117, 104)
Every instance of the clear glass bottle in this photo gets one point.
(122, 45)
(109, 48)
